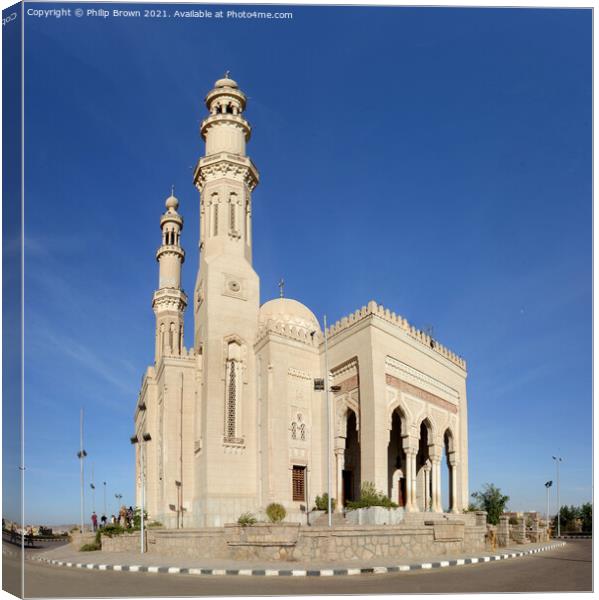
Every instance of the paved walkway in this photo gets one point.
(69, 556)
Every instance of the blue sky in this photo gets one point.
(435, 160)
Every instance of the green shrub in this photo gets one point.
(247, 518)
(90, 547)
(111, 530)
(137, 518)
(155, 524)
(369, 496)
(275, 512)
(322, 502)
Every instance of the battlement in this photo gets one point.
(377, 310)
(299, 334)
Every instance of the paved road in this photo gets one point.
(563, 569)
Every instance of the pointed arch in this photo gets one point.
(406, 416)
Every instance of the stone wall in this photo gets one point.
(79, 539)
(375, 515)
(438, 535)
(402, 542)
(125, 542)
(209, 542)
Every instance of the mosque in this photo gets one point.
(236, 423)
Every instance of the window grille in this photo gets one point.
(302, 429)
(232, 215)
(298, 483)
(294, 430)
(231, 401)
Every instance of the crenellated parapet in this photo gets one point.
(185, 353)
(377, 310)
(289, 331)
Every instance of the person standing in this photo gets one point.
(103, 520)
(94, 521)
(130, 515)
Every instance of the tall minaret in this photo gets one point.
(169, 300)
(226, 305)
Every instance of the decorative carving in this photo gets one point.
(412, 375)
(420, 393)
(298, 373)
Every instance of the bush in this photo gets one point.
(95, 545)
(513, 520)
(111, 530)
(90, 547)
(369, 496)
(155, 524)
(275, 512)
(247, 518)
(322, 502)
(137, 518)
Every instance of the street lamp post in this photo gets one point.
(548, 484)
(141, 440)
(558, 460)
(105, 500)
(93, 488)
(81, 455)
(118, 503)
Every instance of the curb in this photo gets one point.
(574, 537)
(300, 572)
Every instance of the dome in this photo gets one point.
(225, 82)
(172, 202)
(289, 312)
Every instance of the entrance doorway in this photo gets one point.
(351, 471)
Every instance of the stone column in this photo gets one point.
(503, 531)
(453, 466)
(434, 454)
(410, 475)
(340, 464)
(413, 493)
(427, 486)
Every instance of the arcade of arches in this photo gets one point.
(414, 470)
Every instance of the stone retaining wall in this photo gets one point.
(125, 542)
(416, 538)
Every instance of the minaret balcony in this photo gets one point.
(170, 249)
(168, 298)
(171, 217)
(225, 164)
(228, 118)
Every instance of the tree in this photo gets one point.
(492, 500)
(586, 514)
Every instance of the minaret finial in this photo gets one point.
(227, 74)
(281, 286)
(173, 189)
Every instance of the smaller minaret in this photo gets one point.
(169, 299)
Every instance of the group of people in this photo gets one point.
(125, 518)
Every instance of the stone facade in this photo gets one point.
(235, 423)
